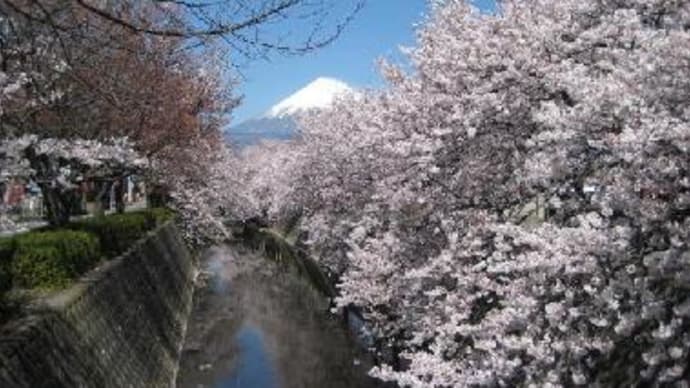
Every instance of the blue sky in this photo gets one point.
(378, 31)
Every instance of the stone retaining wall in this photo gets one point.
(121, 325)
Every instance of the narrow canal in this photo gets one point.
(256, 324)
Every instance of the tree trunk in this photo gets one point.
(120, 186)
(58, 205)
(58, 201)
(157, 197)
(103, 196)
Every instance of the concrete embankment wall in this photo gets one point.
(121, 325)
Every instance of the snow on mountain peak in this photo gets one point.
(319, 93)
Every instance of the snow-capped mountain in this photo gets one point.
(279, 121)
(319, 94)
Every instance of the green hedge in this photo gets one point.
(116, 232)
(52, 259)
(158, 216)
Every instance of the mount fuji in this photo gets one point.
(279, 121)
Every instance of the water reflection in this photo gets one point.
(253, 368)
(258, 325)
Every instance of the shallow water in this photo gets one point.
(254, 368)
(256, 324)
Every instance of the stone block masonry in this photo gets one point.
(122, 325)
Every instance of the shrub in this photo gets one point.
(157, 216)
(49, 259)
(52, 259)
(116, 232)
(41, 267)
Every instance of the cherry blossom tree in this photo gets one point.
(56, 165)
(207, 189)
(515, 211)
(270, 170)
(67, 74)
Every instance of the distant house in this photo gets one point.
(134, 194)
(13, 191)
(21, 198)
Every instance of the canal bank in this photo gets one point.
(121, 325)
